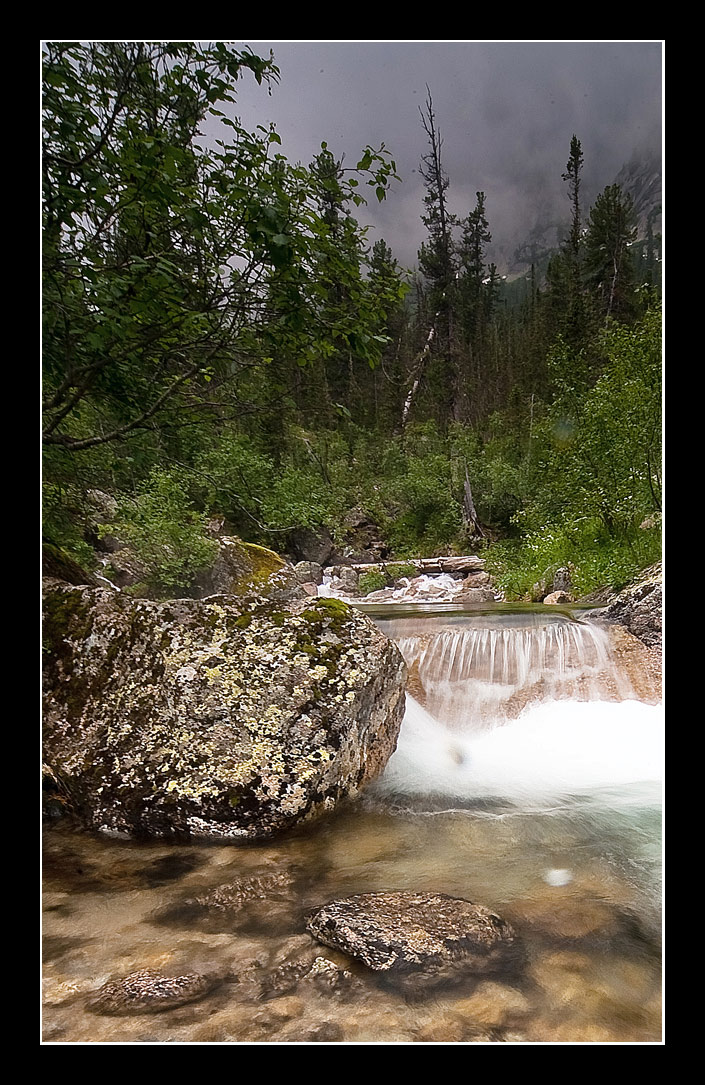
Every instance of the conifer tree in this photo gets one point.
(436, 255)
(438, 267)
(476, 237)
(564, 274)
(609, 269)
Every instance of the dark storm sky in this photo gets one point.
(506, 112)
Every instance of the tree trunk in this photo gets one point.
(469, 512)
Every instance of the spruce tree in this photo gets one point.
(438, 267)
(564, 274)
(476, 237)
(609, 270)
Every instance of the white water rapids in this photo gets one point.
(527, 711)
(551, 753)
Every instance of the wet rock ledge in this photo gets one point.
(210, 719)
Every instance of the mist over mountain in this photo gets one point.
(506, 112)
(640, 178)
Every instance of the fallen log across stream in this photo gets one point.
(455, 565)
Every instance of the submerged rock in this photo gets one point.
(201, 718)
(264, 900)
(148, 991)
(326, 976)
(234, 896)
(418, 937)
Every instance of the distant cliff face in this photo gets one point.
(641, 179)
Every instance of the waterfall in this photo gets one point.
(520, 710)
(473, 678)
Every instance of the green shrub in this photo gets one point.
(401, 569)
(372, 581)
(596, 558)
(167, 534)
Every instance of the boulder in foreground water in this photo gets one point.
(204, 719)
(147, 991)
(419, 937)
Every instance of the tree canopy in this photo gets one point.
(174, 265)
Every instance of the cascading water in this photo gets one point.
(523, 709)
(478, 675)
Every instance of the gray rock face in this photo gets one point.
(639, 607)
(308, 545)
(198, 718)
(424, 938)
(349, 579)
(562, 580)
(125, 569)
(308, 572)
(100, 509)
(476, 595)
(554, 579)
(557, 597)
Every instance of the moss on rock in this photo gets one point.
(264, 562)
(241, 568)
(196, 718)
(58, 565)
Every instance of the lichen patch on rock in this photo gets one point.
(212, 719)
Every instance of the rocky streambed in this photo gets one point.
(158, 942)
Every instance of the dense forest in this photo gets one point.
(220, 339)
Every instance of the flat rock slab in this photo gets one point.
(147, 991)
(432, 937)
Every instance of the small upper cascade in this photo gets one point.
(478, 676)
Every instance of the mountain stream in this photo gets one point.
(527, 778)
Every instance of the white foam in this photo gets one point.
(555, 749)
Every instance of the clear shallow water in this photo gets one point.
(552, 818)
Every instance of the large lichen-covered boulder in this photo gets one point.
(204, 718)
